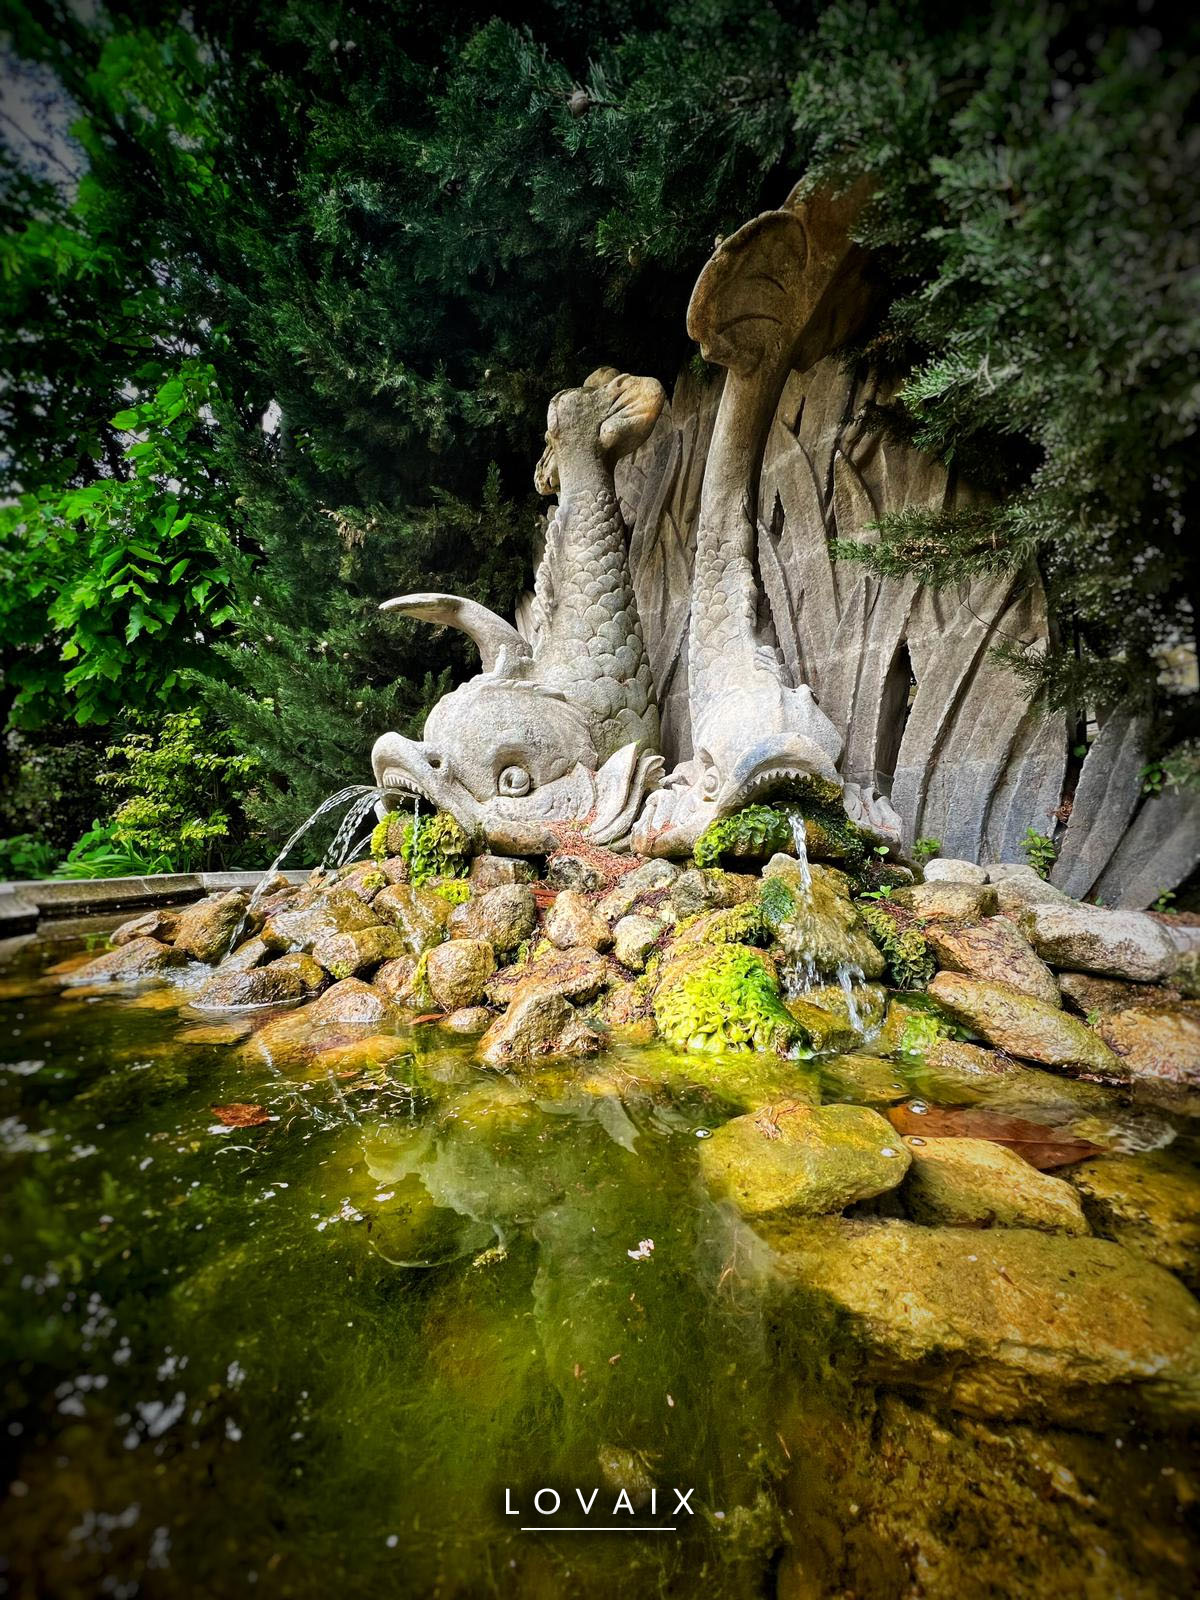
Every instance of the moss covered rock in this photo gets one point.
(723, 997)
(256, 986)
(350, 1001)
(1149, 1203)
(538, 1025)
(457, 972)
(505, 917)
(996, 951)
(975, 1183)
(571, 921)
(206, 930)
(1024, 1027)
(814, 921)
(902, 943)
(796, 1160)
(349, 955)
(941, 902)
(420, 915)
(1156, 1042)
(139, 958)
(315, 914)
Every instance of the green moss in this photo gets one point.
(831, 836)
(723, 998)
(776, 902)
(430, 847)
(456, 890)
(910, 962)
(741, 924)
(758, 831)
(379, 839)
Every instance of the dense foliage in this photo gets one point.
(285, 309)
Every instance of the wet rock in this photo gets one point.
(830, 1020)
(1116, 944)
(1148, 1203)
(634, 938)
(1156, 1043)
(571, 921)
(351, 1001)
(420, 915)
(206, 930)
(910, 1032)
(862, 1080)
(256, 986)
(566, 871)
(975, 1183)
(629, 1006)
(363, 880)
(469, 1020)
(710, 889)
(1024, 1027)
(652, 878)
(457, 972)
(250, 953)
(945, 869)
(995, 951)
(538, 1024)
(311, 974)
(139, 958)
(349, 955)
(490, 872)
(217, 1034)
(160, 925)
(576, 975)
(796, 1160)
(316, 914)
(394, 869)
(948, 901)
(395, 979)
(1100, 997)
(816, 924)
(504, 917)
(1004, 1322)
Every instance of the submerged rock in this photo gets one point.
(571, 921)
(1006, 1322)
(503, 916)
(256, 986)
(797, 1160)
(457, 972)
(1024, 1027)
(350, 1001)
(862, 1080)
(469, 1020)
(142, 957)
(995, 951)
(1148, 1203)
(206, 930)
(538, 1024)
(975, 1183)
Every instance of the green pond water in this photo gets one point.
(312, 1356)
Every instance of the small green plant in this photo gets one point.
(925, 849)
(1039, 851)
(884, 892)
(430, 847)
(724, 999)
(1164, 901)
(755, 831)
(909, 958)
(101, 853)
(27, 856)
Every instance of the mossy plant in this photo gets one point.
(430, 847)
(379, 839)
(757, 831)
(910, 961)
(456, 890)
(724, 998)
(742, 924)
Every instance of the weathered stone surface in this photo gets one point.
(1010, 871)
(709, 889)
(419, 914)
(944, 869)
(490, 872)
(503, 916)
(996, 951)
(349, 955)
(571, 921)
(250, 953)
(469, 1020)
(1116, 944)
(1156, 1043)
(363, 880)
(139, 958)
(350, 1001)
(538, 1024)
(315, 914)
(652, 878)
(1160, 849)
(311, 974)
(824, 931)
(797, 1160)
(1107, 794)
(1016, 894)
(974, 1183)
(159, 924)
(948, 901)
(457, 972)
(1150, 1203)
(576, 975)
(205, 930)
(1092, 996)
(395, 979)
(1024, 1027)
(255, 986)
(634, 938)
(567, 871)
(862, 1080)
(1004, 1322)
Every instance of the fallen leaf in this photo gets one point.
(1042, 1146)
(429, 1016)
(241, 1114)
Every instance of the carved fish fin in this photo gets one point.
(493, 636)
(622, 784)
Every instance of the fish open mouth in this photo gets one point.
(795, 767)
(399, 786)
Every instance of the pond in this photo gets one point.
(342, 1347)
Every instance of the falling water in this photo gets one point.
(849, 976)
(800, 840)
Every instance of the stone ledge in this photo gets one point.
(25, 905)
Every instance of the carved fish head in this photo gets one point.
(608, 417)
(514, 763)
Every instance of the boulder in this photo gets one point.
(363, 880)
(634, 937)
(160, 925)
(571, 921)
(996, 951)
(206, 930)
(1100, 997)
(1116, 944)
(349, 955)
(139, 958)
(796, 1160)
(945, 869)
(1006, 871)
(311, 973)
(576, 975)
(1150, 1203)
(1003, 1322)
(254, 986)
(1156, 1043)
(351, 1001)
(815, 921)
(1015, 895)
(652, 879)
(490, 872)
(469, 1020)
(457, 972)
(567, 871)
(1024, 1027)
(395, 979)
(504, 917)
(420, 915)
(710, 889)
(947, 901)
(538, 1024)
(250, 953)
(975, 1183)
(315, 914)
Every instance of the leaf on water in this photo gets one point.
(241, 1114)
(429, 1016)
(1042, 1146)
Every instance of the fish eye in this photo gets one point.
(514, 781)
